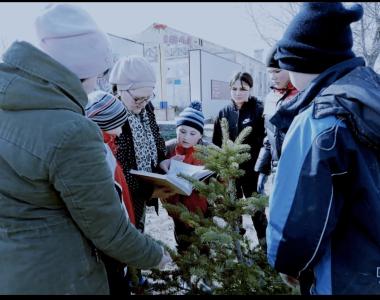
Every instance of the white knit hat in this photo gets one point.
(70, 35)
(132, 72)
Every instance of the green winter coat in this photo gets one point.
(57, 195)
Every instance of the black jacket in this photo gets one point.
(141, 191)
(250, 114)
(271, 150)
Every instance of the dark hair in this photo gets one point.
(243, 77)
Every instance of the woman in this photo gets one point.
(282, 92)
(58, 199)
(140, 145)
(243, 111)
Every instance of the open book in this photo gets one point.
(170, 179)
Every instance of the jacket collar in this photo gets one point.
(286, 113)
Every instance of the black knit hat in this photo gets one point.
(270, 62)
(318, 37)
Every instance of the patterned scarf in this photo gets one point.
(143, 140)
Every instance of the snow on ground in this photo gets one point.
(161, 227)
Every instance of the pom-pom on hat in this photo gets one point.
(106, 110)
(69, 34)
(192, 116)
(132, 72)
(318, 37)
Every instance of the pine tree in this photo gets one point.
(220, 260)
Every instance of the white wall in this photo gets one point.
(125, 47)
(205, 67)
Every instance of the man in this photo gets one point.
(326, 199)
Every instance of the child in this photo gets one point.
(109, 113)
(189, 133)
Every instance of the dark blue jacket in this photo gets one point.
(324, 210)
(250, 114)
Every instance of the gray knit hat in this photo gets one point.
(106, 110)
(192, 116)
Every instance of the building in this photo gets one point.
(190, 68)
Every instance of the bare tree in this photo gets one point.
(269, 25)
(366, 32)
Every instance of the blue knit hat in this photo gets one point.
(106, 110)
(192, 116)
(318, 37)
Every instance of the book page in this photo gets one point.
(180, 185)
(196, 172)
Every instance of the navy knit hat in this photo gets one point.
(318, 37)
(270, 62)
(192, 116)
(106, 110)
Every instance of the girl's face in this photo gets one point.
(135, 100)
(279, 78)
(187, 136)
(301, 80)
(240, 92)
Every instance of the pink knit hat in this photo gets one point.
(132, 72)
(70, 35)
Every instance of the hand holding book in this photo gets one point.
(171, 179)
(165, 164)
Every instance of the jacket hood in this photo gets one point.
(286, 113)
(30, 79)
(355, 97)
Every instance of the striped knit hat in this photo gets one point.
(192, 116)
(106, 110)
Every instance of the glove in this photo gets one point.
(261, 183)
(166, 259)
(290, 281)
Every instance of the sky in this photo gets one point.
(223, 23)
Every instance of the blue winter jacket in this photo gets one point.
(324, 210)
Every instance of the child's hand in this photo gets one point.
(165, 164)
(162, 192)
(178, 157)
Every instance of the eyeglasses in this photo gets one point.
(140, 100)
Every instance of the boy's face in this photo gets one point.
(278, 77)
(301, 80)
(187, 136)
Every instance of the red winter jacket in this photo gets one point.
(120, 179)
(195, 201)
